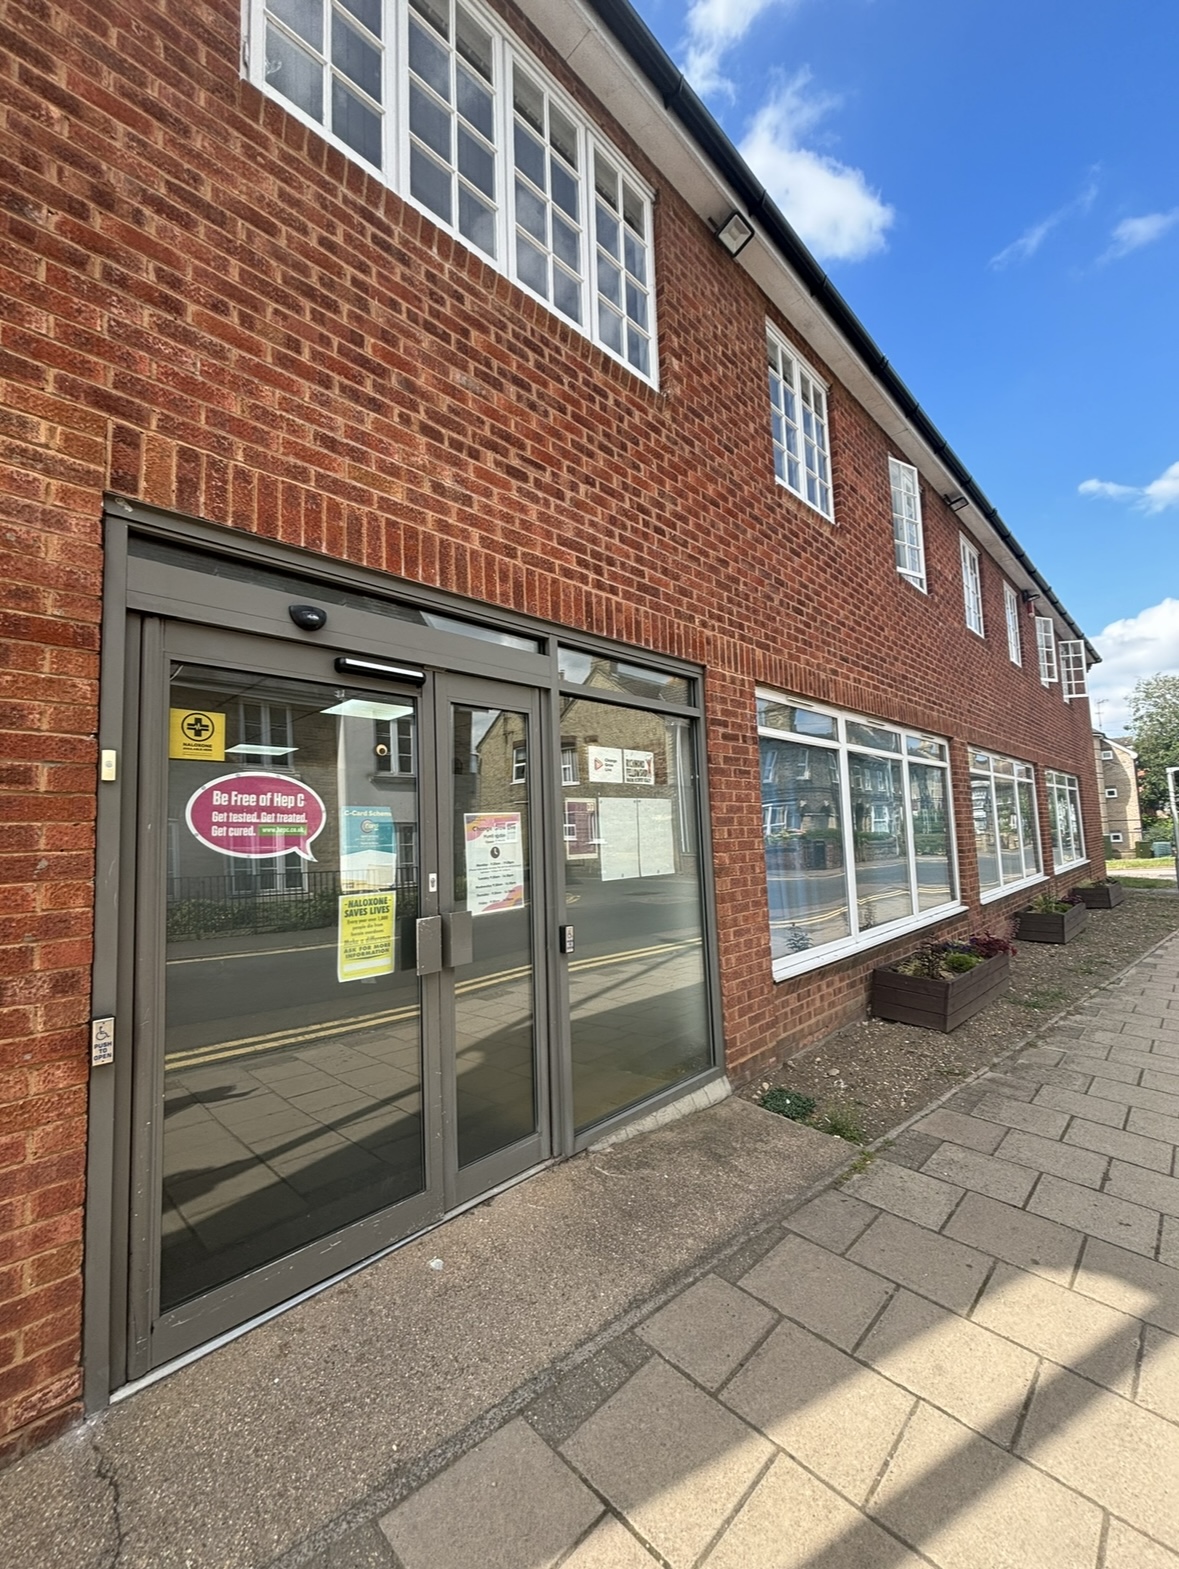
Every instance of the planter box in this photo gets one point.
(1053, 925)
(1107, 897)
(937, 1004)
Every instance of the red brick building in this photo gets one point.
(455, 703)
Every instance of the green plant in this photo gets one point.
(842, 1122)
(960, 963)
(788, 1103)
(1048, 904)
(861, 1163)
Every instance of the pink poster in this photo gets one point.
(256, 814)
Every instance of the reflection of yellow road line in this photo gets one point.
(838, 910)
(249, 1045)
(252, 953)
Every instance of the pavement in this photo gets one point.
(720, 1344)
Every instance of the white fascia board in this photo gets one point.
(598, 60)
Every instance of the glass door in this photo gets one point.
(340, 974)
(495, 1073)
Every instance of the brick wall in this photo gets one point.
(208, 308)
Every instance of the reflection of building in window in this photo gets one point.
(1003, 806)
(581, 829)
(519, 764)
(393, 745)
(569, 774)
(265, 736)
(1064, 814)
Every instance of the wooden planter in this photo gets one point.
(937, 1004)
(1052, 925)
(1105, 897)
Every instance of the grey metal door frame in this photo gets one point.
(155, 1337)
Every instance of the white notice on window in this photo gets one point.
(604, 764)
(495, 861)
(636, 838)
(638, 768)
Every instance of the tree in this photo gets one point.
(1154, 703)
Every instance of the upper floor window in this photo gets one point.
(438, 99)
(1011, 611)
(798, 405)
(971, 586)
(1046, 650)
(906, 522)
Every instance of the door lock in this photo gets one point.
(565, 939)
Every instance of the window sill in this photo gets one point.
(994, 894)
(849, 947)
(1069, 866)
(828, 517)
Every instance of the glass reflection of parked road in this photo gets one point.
(238, 988)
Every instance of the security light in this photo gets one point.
(735, 233)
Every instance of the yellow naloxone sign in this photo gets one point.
(196, 734)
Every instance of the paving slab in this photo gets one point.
(1158, 1378)
(972, 1506)
(981, 1173)
(670, 1459)
(1117, 1220)
(934, 1266)
(834, 1219)
(968, 1131)
(828, 1294)
(1148, 1188)
(510, 1501)
(1095, 1108)
(1062, 1160)
(1126, 1548)
(1154, 1154)
(609, 1546)
(1133, 1284)
(910, 1194)
(1043, 1246)
(708, 1330)
(1019, 1114)
(836, 1416)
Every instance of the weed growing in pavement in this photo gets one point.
(1047, 998)
(842, 1123)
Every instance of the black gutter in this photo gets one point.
(681, 100)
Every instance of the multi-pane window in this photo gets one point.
(546, 150)
(1046, 649)
(971, 586)
(569, 773)
(519, 764)
(329, 61)
(1011, 611)
(906, 522)
(452, 115)
(1003, 806)
(438, 98)
(623, 271)
(1073, 670)
(265, 738)
(393, 745)
(856, 823)
(1064, 814)
(798, 419)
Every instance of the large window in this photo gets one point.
(1003, 805)
(906, 522)
(1064, 814)
(856, 821)
(798, 417)
(437, 98)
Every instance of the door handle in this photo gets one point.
(429, 944)
(458, 939)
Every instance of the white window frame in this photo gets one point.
(1107, 757)
(569, 770)
(1011, 612)
(870, 937)
(992, 766)
(1064, 790)
(394, 170)
(1116, 838)
(907, 530)
(1046, 651)
(520, 762)
(971, 586)
(797, 428)
(1111, 793)
(1073, 670)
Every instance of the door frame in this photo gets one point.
(230, 600)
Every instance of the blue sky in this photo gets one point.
(995, 190)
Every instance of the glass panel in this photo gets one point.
(881, 840)
(529, 156)
(580, 669)
(304, 17)
(475, 103)
(429, 184)
(356, 124)
(429, 60)
(429, 120)
(476, 162)
(476, 221)
(294, 74)
(985, 843)
(872, 735)
(638, 351)
(638, 1000)
(805, 875)
(567, 294)
(474, 42)
(494, 1050)
(366, 12)
(1010, 842)
(292, 1071)
(356, 57)
(1027, 814)
(532, 265)
(929, 803)
(923, 746)
(801, 721)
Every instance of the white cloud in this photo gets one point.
(714, 27)
(1160, 494)
(1030, 241)
(830, 204)
(1133, 233)
(1143, 645)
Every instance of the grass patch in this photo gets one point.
(1050, 997)
(841, 1122)
(788, 1103)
